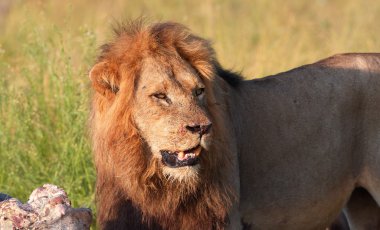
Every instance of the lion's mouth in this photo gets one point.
(177, 159)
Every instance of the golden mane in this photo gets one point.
(131, 189)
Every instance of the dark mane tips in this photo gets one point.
(130, 27)
(232, 78)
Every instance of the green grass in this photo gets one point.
(44, 104)
(47, 48)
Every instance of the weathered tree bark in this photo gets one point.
(48, 207)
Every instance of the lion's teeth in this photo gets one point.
(198, 151)
(190, 155)
(181, 155)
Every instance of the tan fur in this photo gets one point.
(309, 138)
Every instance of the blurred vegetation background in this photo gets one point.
(48, 46)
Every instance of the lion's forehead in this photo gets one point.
(167, 74)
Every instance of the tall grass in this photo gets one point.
(47, 47)
(44, 108)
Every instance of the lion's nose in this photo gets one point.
(201, 129)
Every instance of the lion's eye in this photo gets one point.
(199, 91)
(160, 95)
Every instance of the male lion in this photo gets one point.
(180, 143)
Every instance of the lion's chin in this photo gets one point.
(182, 174)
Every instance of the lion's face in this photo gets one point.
(170, 112)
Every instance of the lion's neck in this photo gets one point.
(172, 202)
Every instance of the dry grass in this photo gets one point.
(47, 47)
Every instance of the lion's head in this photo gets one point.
(158, 122)
(170, 111)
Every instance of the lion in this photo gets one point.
(181, 143)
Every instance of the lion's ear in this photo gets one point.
(105, 78)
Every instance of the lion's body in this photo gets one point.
(302, 141)
(306, 139)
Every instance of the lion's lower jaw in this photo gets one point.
(182, 174)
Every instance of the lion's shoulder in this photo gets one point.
(232, 78)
